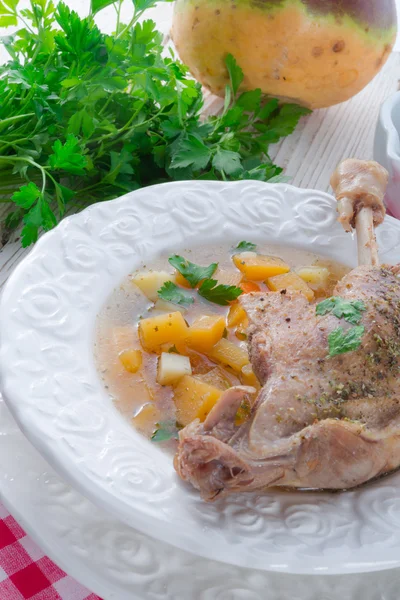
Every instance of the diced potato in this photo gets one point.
(155, 331)
(292, 282)
(149, 282)
(172, 367)
(259, 267)
(316, 277)
(205, 332)
(163, 306)
(230, 354)
(216, 377)
(236, 315)
(147, 418)
(194, 399)
(131, 359)
(248, 377)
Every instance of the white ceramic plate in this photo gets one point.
(118, 563)
(47, 317)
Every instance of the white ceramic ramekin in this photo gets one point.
(387, 150)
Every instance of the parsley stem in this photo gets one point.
(118, 15)
(15, 118)
(30, 162)
(6, 99)
(12, 143)
(132, 22)
(24, 22)
(90, 187)
(106, 104)
(126, 126)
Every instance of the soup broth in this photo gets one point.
(158, 392)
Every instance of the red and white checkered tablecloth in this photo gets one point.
(26, 573)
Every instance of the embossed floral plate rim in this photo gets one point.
(48, 377)
(118, 563)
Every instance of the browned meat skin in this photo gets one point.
(318, 422)
(359, 184)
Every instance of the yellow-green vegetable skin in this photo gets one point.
(313, 52)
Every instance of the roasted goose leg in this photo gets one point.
(320, 420)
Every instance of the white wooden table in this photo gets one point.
(310, 155)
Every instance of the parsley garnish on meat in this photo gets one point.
(246, 246)
(88, 116)
(350, 311)
(170, 292)
(341, 341)
(191, 272)
(219, 293)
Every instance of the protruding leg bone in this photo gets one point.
(360, 187)
(366, 238)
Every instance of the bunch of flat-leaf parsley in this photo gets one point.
(86, 116)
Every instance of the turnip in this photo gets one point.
(314, 52)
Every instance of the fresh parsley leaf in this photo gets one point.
(8, 20)
(63, 195)
(48, 217)
(191, 152)
(269, 108)
(350, 311)
(77, 36)
(26, 196)
(32, 221)
(190, 271)
(12, 4)
(341, 341)
(173, 350)
(219, 293)
(246, 246)
(250, 101)
(166, 430)
(81, 122)
(38, 213)
(235, 73)
(227, 162)
(97, 5)
(68, 156)
(146, 4)
(29, 235)
(172, 293)
(283, 123)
